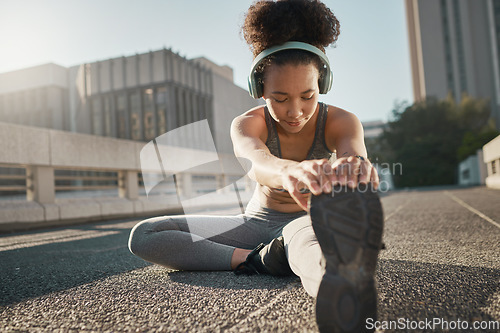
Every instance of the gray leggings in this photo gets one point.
(207, 242)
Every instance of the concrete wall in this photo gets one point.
(472, 171)
(36, 96)
(226, 96)
(24, 145)
(34, 77)
(43, 150)
(491, 157)
(46, 147)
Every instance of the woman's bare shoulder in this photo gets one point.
(336, 114)
(254, 113)
(251, 122)
(341, 123)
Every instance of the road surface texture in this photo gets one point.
(442, 263)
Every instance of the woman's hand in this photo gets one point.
(318, 176)
(312, 175)
(354, 170)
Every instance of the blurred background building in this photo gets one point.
(454, 48)
(138, 97)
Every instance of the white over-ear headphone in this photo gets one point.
(255, 87)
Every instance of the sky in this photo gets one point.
(370, 60)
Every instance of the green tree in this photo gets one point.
(429, 138)
(477, 126)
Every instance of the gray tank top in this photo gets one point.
(318, 149)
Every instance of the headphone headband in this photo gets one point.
(255, 89)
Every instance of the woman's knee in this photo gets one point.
(138, 234)
(142, 233)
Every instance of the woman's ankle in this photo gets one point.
(239, 256)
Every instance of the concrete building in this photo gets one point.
(491, 156)
(472, 170)
(36, 96)
(137, 97)
(373, 129)
(454, 48)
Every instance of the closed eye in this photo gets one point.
(279, 100)
(307, 98)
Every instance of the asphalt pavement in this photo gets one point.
(441, 267)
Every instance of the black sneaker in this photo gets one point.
(348, 224)
(266, 259)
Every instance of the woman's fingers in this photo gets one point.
(310, 182)
(293, 186)
(300, 199)
(374, 179)
(365, 172)
(319, 176)
(347, 171)
(352, 171)
(321, 170)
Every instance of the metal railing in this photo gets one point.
(13, 179)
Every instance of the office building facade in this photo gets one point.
(454, 49)
(138, 97)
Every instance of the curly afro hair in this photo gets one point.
(270, 23)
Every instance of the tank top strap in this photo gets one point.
(273, 141)
(319, 148)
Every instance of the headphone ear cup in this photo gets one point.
(322, 84)
(254, 86)
(259, 89)
(325, 83)
(251, 86)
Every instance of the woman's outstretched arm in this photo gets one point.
(248, 133)
(345, 135)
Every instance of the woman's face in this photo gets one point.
(291, 94)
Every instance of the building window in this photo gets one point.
(460, 46)
(180, 111)
(135, 115)
(448, 50)
(493, 167)
(496, 10)
(121, 115)
(148, 109)
(161, 109)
